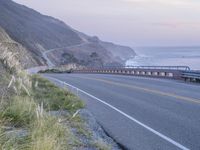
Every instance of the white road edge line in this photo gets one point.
(129, 117)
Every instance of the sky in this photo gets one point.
(136, 23)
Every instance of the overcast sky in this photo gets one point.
(130, 22)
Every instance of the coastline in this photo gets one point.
(166, 57)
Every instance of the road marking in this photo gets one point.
(147, 90)
(127, 116)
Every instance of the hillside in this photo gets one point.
(117, 51)
(35, 114)
(39, 33)
(10, 47)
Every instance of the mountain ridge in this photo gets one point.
(39, 33)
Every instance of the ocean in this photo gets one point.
(167, 56)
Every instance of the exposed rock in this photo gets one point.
(20, 53)
(14, 133)
(59, 113)
(3, 82)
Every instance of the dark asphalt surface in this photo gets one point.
(171, 108)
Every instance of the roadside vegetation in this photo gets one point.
(37, 115)
(26, 116)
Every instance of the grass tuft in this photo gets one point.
(48, 134)
(20, 111)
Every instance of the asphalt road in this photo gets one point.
(142, 113)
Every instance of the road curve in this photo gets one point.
(45, 53)
(142, 113)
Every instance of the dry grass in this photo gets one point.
(11, 63)
(29, 107)
(20, 111)
(48, 134)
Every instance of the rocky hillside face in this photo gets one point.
(39, 33)
(4, 36)
(14, 50)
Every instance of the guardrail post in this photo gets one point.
(149, 73)
(155, 73)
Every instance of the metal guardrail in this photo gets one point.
(185, 68)
(191, 75)
(173, 72)
(161, 67)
